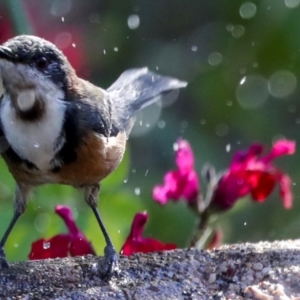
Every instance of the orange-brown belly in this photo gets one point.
(97, 157)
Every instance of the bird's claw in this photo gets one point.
(111, 263)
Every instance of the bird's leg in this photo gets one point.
(19, 207)
(91, 194)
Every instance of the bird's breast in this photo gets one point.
(96, 158)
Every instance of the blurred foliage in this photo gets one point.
(230, 52)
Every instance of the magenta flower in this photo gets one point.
(249, 174)
(181, 183)
(73, 243)
(135, 242)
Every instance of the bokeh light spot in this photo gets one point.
(248, 10)
(60, 8)
(238, 31)
(292, 3)
(252, 92)
(214, 58)
(282, 83)
(133, 21)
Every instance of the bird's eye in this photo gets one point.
(42, 63)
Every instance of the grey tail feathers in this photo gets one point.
(136, 89)
(140, 87)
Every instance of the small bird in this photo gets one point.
(58, 128)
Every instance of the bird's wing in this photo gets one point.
(136, 89)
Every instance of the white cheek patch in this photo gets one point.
(35, 141)
(26, 100)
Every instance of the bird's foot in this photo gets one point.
(110, 267)
(3, 261)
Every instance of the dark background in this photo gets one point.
(242, 62)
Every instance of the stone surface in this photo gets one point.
(262, 271)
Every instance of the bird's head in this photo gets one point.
(32, 68)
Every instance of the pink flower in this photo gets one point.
(249, 174)
(74, 242)
(135, 242)
(182, 182)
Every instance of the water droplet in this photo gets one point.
(46, 245)
(252, 92)
(133, 21)
(282, 83)
(119, 231)
(214, 58)
(126, 180)
(161, 124)
(248, 10)
(146, 173)
(116, 49)
(202, 122)
(175, 146)
(292, 3)
(73, 45)
(222, 130)
(229, 103)
(36, 145)
(245, 223)
(133, 170)
(194, 48)
(228, 147)
(62, 19)
(243, 80)
(104, 51)
(137, 191)
(16, 245)
(238, 31)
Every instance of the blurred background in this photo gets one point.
(242, 62)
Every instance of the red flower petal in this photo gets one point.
(136, 243)
(73, 243)
(262, 184)
(285, 185)
(250, 174)
(58, 246)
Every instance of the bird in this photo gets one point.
(58, 128)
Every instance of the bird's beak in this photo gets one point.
(6, 53)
